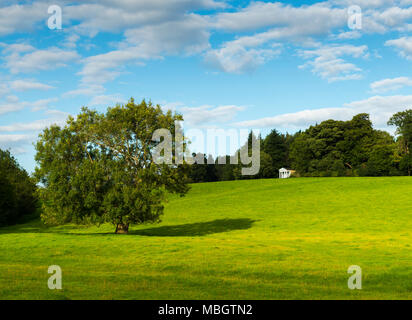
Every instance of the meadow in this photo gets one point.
(249, 239)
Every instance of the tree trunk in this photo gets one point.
(122, 228)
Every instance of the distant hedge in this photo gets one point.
(17, 191)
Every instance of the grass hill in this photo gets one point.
(251, 239)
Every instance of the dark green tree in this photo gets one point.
(381, 161)
(337, 148)
(198, 170)
(17, 191)
(403, 122)
(274, 145)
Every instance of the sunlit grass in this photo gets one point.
(257, 239)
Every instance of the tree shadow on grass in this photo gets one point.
(38, 227)
(196, 229)
(182, 230)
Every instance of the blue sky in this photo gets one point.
(222, 64)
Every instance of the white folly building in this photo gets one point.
(284, 173)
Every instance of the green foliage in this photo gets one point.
(17, 191)
(275, 147)
(342, 148)
(403, 123)
(381, 161)
(99, 167)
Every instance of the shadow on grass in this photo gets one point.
(183, 230)
(196, 229)
(38, 227)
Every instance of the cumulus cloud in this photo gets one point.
(305, 20)
(403, 45)
(327, 61)
(186, 35)
(104, 67)
(109, 16)
(234, 57)
(381, 108)
(390, 84)
(21, 18)
(38, 60)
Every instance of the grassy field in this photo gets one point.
(258, 239)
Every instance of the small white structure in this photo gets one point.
(284, 173)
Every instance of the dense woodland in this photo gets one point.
(99, 167)
(17, 191)
(329, 149)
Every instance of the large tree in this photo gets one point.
(100, 167)
(403, 122)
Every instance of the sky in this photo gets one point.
(258, 65)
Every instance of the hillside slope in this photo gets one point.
(257, 239)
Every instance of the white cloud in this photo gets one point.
(4, 89)
(348, 35)
(41, 104)
(21, 18)
(236, 58)
(89, 89)
(13, 104)
(118, 16)
(328, 64)
(207, 114)
(304, 20)
(403, 45)
(186, 35)
(390, 84)
(13, 138)
(104, 67)
(25, 85)
(37, 125)
(106, 100)
(16, 48)
(17, 143)
(37, 60)
(380, 108)
(300, 119)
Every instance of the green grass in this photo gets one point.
(258, 239)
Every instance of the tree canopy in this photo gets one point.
(100, 168)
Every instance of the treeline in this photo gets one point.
(17, 191)
(329, 149)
